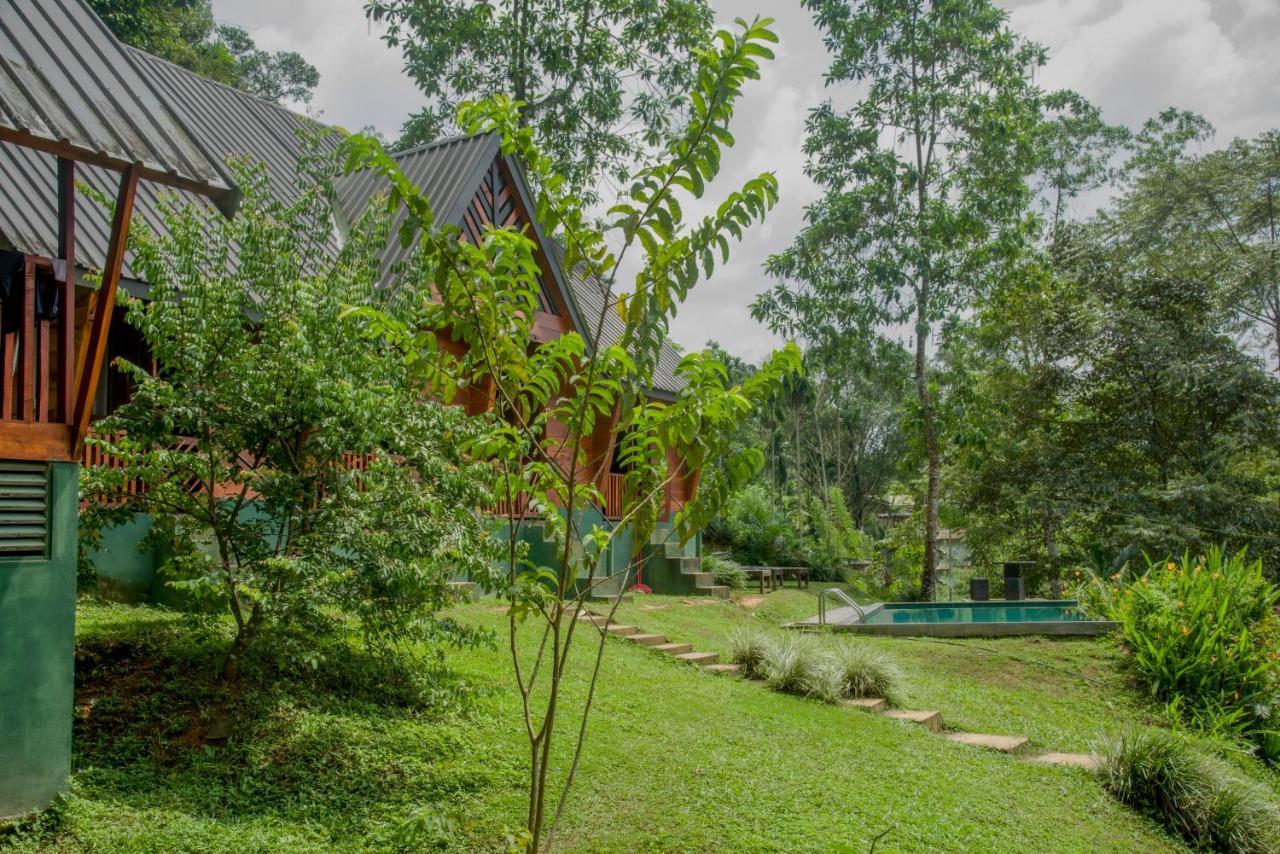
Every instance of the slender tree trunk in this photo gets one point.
(240, 645)
(928, 571)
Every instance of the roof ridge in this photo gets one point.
(439, 143)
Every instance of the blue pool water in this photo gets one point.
(975, 612)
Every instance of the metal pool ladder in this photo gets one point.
(844, 597)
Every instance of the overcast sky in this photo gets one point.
(1131, 57)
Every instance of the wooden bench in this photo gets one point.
(776, 575)
(799, 573)
(763, 575)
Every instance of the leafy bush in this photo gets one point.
(796, 665)
(832, 540)
(748, 649)
(864, 671)
(760, 528)
(1159, 773)
(726, 570)
(344, 491)
(1202, 633)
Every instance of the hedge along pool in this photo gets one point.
(966, 619)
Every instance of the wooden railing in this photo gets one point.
(93, 455)
(613, 484)
(35, 374)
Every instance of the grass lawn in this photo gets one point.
(677, 759)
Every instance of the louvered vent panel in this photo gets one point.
(24, 508)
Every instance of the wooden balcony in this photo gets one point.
(37, 359)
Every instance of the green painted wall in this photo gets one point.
(125, 572)
(37, 658)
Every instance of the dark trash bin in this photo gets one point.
(979, 589)
(1014, 582)
(1013, 589)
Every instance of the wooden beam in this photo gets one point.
(227, 199)
(35, 441)
(67, 296)
(27, 345)
(89, 368)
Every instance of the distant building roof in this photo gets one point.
(67, 86)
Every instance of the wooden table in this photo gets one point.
(799, 573)
(763, 575)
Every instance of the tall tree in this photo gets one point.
(925, 179)
(184, 32)
(485, 298)
(1219, 211)
(601, 80)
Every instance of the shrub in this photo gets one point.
(1202, 633)
(1159, 773)
(726, 570)
(748, 649)
(796, 665)
(760, 528)
(833, 539)
(864, 671)
(305, 477)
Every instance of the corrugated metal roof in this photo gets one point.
(66, 81)
(591, 298)
(232, 124)
(447, 172)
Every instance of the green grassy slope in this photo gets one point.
(678, 759)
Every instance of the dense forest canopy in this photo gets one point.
(1076, 390)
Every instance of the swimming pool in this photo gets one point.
(967, 619)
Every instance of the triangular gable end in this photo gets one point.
(499, 194)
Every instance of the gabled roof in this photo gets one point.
(67, 86)
(230, 123)
(449, 172)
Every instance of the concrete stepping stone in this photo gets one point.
(722, 668)
(674, 648)
(647, 640)
(931, 721)
(622, 631)
(1067, 760)
(702, 659)
(1003, 743)
(871, 704)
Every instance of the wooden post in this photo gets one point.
(67, 299)
(27, 345)
(89, 367)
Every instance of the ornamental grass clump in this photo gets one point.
(864, 672)
(1202, 633)
(748, 649)
(1159, 773)
(796, 665)
(726, 570)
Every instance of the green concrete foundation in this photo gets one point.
(37, 658)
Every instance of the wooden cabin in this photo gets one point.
(73, 103)
(471, 184)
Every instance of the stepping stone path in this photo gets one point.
(709, 661)
(930, 720)
(1003, 743)
(1067, 760)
